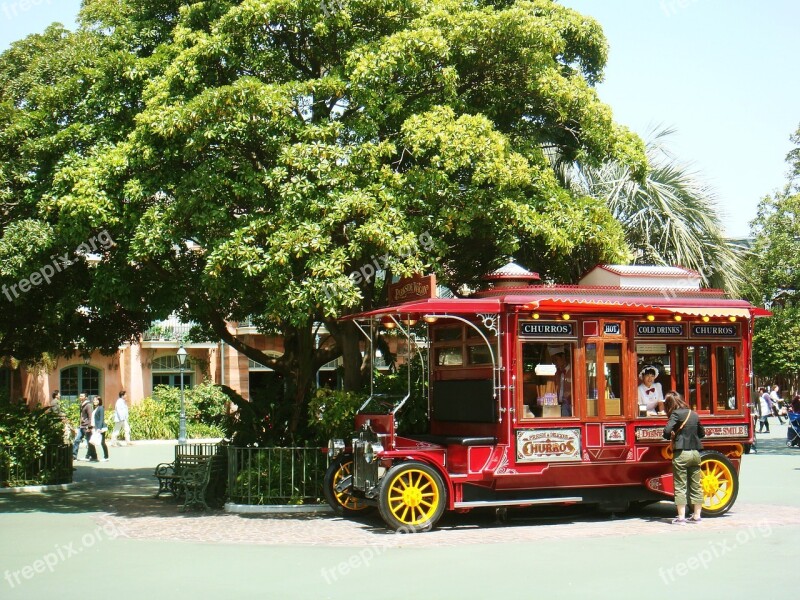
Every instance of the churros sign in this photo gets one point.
(548, 445)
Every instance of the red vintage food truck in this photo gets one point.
(535, 396)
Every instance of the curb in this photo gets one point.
(37, 489)
(277, 509)
(172, 442)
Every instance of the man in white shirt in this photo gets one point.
(776, 403)
(121, 420)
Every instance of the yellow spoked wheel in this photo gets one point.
(340, 499)
(412, 497)
(719, 482)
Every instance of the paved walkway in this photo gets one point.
(111, 519)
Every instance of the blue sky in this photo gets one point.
(723, 73)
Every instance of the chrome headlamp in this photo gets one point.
(335, 447)
(371, 450)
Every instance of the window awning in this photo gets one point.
(711, 311)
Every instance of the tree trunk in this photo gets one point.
(348, 341)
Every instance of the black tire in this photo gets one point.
(412, 497)
(342, 503)
(719, 481)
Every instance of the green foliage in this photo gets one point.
(25, 437)
(413, 417)
(776, 343)
(775, 262)
(279, 476)
(331, 414)
(151, 419)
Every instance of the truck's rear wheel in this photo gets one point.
(412, 497)
(719, 482)
(340, 500)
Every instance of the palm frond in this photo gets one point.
(670, 218)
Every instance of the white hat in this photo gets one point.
(647, 369)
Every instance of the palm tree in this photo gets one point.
(670, 218)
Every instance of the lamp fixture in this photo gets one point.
(677, 317)
(535, 315)
(705, 318)
(565, 316)
(651, 317)
(430, 318)
(388, 322)
(181, 354)
(732, 319)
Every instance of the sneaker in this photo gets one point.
(103, 460)
(693, 520)
(93, 460)
(678, 521)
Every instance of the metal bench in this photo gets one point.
(193, 482)
(170, 476)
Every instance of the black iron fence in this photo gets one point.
(276, 475)
(18, 468)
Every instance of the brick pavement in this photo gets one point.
(454, 530)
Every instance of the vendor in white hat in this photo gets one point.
(651, 396)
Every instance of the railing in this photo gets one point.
(53, 466)
(276, 475)
(168, 331)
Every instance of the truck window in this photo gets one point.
(547, 380)
(604, 379)
(703, 374)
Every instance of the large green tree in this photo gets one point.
(774, 269)
(247, 157)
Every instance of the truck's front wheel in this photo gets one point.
(412, 497)
(337, 492)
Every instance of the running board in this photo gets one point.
(489, 503)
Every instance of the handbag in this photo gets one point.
(677, 431)
(96, 439)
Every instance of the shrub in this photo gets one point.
(279, 476)
(26, 437)
(158, 417)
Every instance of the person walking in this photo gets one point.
(121, 421)
(83, 426)
(765, 408)
(776, 403)
(99, 425)
(685, 430)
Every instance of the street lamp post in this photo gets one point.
(182, 425)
